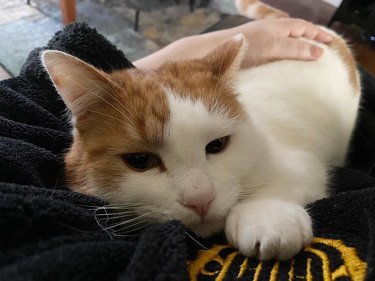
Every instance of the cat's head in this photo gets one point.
(173, 143)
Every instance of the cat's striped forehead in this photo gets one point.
(151, 100)
(193, 80)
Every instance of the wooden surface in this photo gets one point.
(68, 11)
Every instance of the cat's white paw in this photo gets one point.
(269, 229)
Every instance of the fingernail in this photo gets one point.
(315, 52)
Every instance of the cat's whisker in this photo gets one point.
(90, 207)
(196, 241)
(132, 228)
(103, 228)
(133, 233)
(122, 206)
(115, 213)
(169, 218)
(113, 217)
(117, 205)
(112, 231)
(120, 217)
(128, 221)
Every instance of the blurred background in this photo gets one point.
(139, 27)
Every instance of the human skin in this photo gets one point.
(267, 40)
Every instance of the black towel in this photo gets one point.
(50, 233)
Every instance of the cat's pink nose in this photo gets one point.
(200, 202)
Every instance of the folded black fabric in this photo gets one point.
(48, 232)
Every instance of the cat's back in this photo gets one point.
(310, 104)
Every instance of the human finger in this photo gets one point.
(301, 28)
(290, 48)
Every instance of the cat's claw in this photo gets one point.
(269, 229)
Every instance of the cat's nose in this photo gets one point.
(199, 202)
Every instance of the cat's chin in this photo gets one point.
(208, 227)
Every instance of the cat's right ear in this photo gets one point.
(226, 59)
(78, 83)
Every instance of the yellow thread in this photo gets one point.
(208, 273)
(325, 262)
(257, 271)
(291, 271)
(308, 270)
(226, 266)
(274, 271)
(355, 267)
(219, 260)
(204, 256)
(243, 267)
(341, 271)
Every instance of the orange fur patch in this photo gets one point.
(244, 4)
(263, 11)
(130, 119)
(209, 79)
(342, 49)
(266, 11)
(194, 81)
(129, 116)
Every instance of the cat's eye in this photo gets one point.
(141, 161)
(217, 145)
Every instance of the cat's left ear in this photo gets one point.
(226, 59)
(78, 83)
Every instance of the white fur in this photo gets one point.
(190, 129)
(300, 116)
(306, 111)
(298, 124)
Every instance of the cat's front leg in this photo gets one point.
(268, 228)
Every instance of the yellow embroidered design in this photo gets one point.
(274, 271)
(291, 271)
(257, 271)
(242, 268)
(322, 262)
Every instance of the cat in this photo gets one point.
(253, 9)
(258, 10)
(210, 145)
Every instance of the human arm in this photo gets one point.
(268, 40)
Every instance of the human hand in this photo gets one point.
(275, 39)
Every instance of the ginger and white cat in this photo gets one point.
(254, 9)
(212, 146)
(257, 10)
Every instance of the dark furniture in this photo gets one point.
(358, 12)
